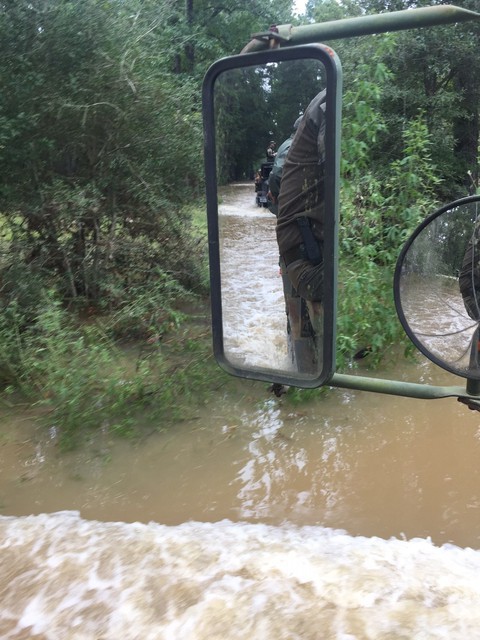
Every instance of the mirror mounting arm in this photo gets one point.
(270, 39)
(288, 35)
(406, 389)
(472, 403)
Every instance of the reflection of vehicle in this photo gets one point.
(261, 188)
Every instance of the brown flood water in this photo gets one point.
(370, 464)
(366, 463)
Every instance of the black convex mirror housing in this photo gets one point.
(437, 287)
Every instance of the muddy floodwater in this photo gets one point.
(351, 516)
(367, 463)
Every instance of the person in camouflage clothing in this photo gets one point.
(469, 283)
(275, 176)
(301, 205)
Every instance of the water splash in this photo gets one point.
(66, 577)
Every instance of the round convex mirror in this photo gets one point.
(437, 287)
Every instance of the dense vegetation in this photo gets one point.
(101, 160)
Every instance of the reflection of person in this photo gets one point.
(277, 170)
(271, 151)
(469, 278)
(301, 205)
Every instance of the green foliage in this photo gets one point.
(100, 144)
(84, 381)
(76, 373)
(376, 222)
(367, 316)
(100, 160)
(390, 182)
(256, 105)
(200, 31)
(241, 114)
(437, 71)
(150, 311)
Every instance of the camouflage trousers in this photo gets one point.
(304, 326)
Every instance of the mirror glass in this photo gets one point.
(437, 287)
(266, 326)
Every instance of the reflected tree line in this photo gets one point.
(257, 105)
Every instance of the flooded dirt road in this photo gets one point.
(366, 463)
(354, 515)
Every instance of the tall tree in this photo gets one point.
(202, 30)
(437, 70)
(99, 141)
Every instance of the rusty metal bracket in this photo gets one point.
(271, 34)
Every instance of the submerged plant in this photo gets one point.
(85, 381)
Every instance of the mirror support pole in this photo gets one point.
(473, 387)
(405, 389)
(287, 35)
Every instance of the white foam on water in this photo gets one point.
(66, 577)
(254, 319)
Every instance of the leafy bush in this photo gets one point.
(378, 213)
(99, 146)
(81, 377)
